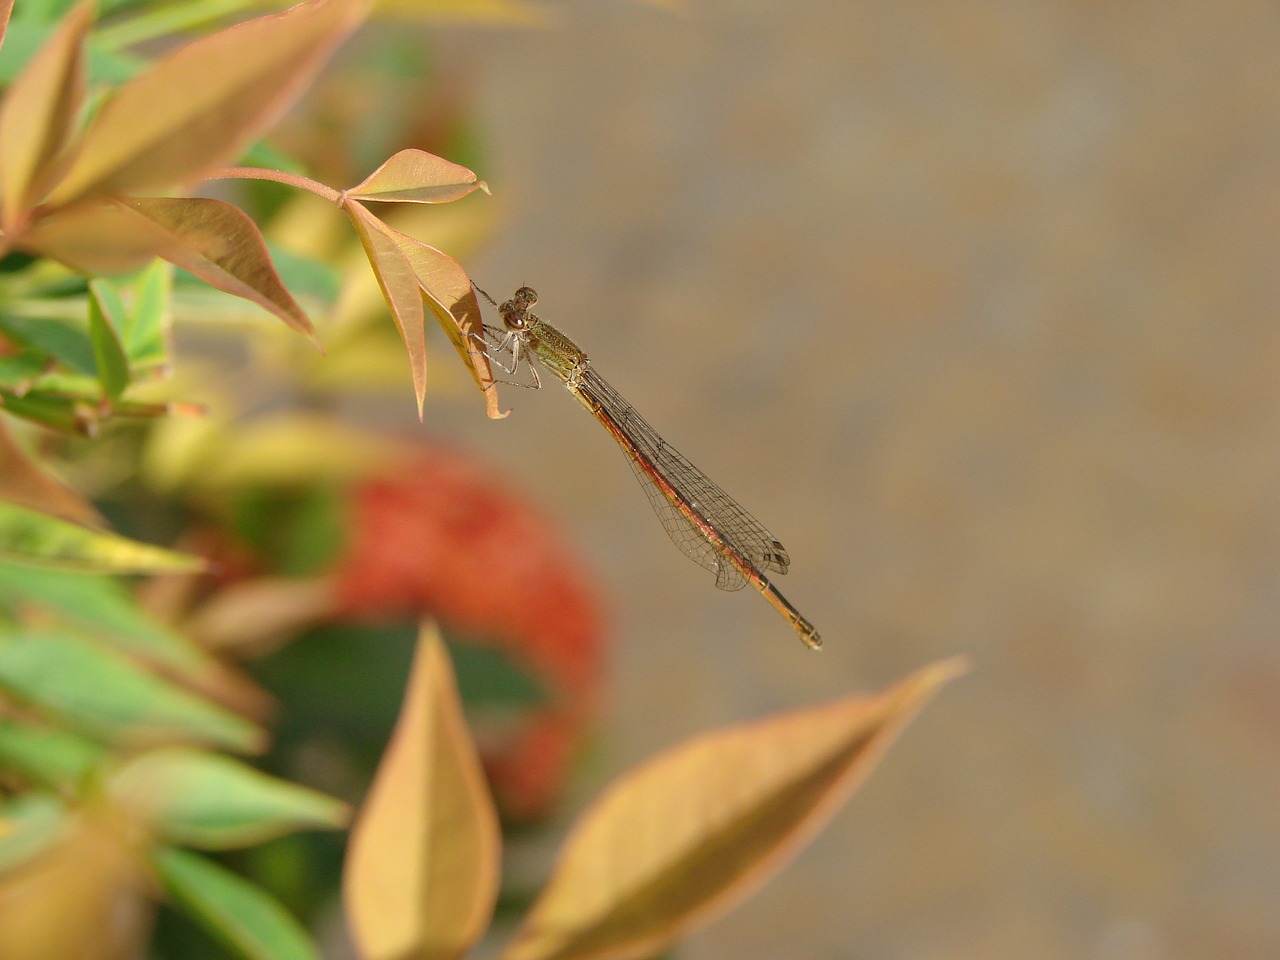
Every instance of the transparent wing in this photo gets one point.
(653, 455)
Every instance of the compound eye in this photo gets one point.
(526, 295)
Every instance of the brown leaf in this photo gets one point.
(421, 871)
(260, 615)
(199, 107)
(688, 834)
(222, 246)
(415, 176)
(38, 115)
(399, 286)
(216, 241)
(25, 483)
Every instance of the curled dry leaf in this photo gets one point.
(415, 176)
(422, 867)
(690, 833)
(199, 107)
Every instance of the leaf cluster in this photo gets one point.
(122, 739)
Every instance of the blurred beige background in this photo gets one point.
(975, 305)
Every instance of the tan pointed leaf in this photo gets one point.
(685, 836)
(39, 113)
(399, 286)
(415, 176)
(200, 106)
(216, 241)
(25, 483)
(452, 299)
(87, 898)
(421, 871)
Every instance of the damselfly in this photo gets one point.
(704, 522)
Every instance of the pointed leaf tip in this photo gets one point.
(422, 865)
(206, 800)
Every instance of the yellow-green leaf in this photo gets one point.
(101, 692)
(30, 822)
(399, 286)
(199, 107)
(685, 836)
(206, 800)
(105, 605)
(415, 176)
(422, 866)
(39, 112)
(30, 537)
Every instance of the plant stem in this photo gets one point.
(280, 176)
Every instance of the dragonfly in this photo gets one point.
(701, 519)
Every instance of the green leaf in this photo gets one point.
(28, 824)
(205, 800)
(68, 344)
(18, 370)
(109, 696)
(307, 276)
(38, 539)
(57, 413)
(238, 913)
(106, 313)
(98, 602)
(145, 331)
(47, 756)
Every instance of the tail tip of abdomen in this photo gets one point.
(809, 635)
